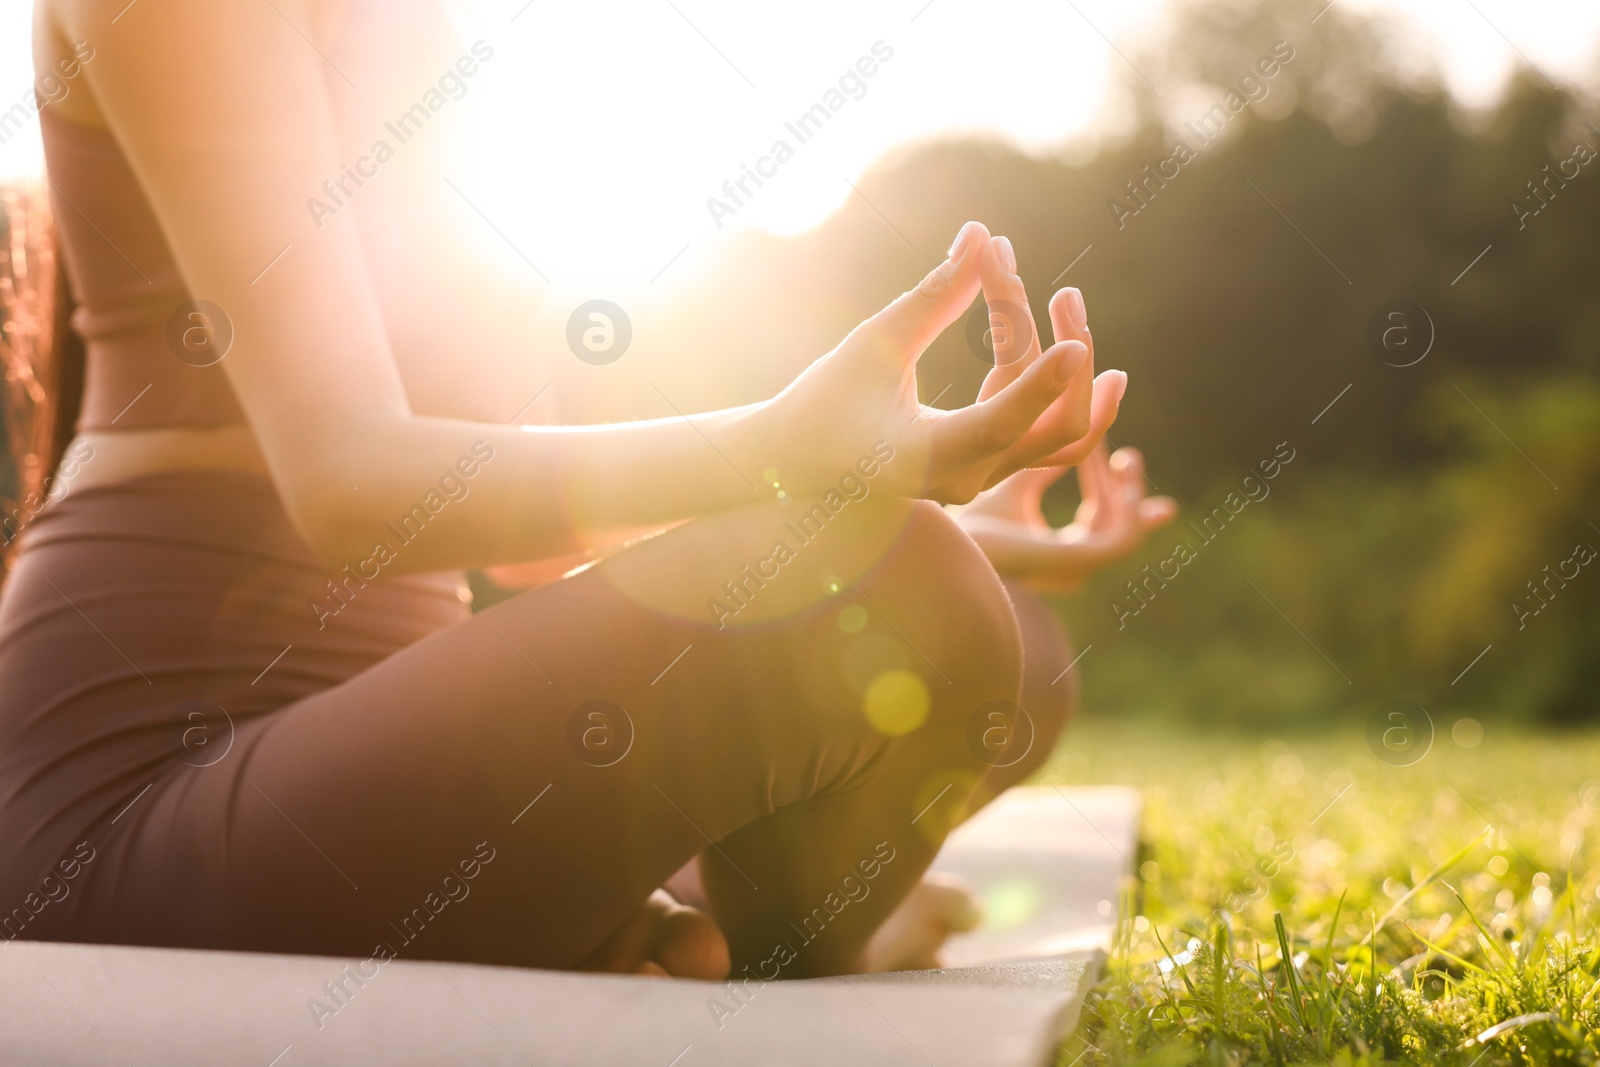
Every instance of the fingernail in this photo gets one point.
(960, 243)
(1075, 309)
(1122, 387)
(1002, 245)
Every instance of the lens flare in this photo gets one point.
(896, 703)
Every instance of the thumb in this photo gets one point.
(919, 315)
(1156, 511)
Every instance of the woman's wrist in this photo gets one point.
(772, 451)
(1058, 557)
(757, 446)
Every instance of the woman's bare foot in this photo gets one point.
(911, 938)
(664, 939)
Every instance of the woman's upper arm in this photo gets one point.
(223, 114)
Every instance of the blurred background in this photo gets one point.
(1379, 259)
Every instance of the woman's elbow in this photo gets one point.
(328, 522)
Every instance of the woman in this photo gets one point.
(242, 702)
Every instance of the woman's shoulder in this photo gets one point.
(59, 61)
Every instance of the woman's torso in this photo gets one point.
(163, 591)
(157, 396)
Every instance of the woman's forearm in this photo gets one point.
(446, 493)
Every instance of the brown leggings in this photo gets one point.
(506, 787)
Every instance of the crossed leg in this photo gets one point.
(821, 735)
(941, 905)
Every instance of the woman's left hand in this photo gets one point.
(1113, 520)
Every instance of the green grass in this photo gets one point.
(1443, 912)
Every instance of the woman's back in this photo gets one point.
(128, 291)
(163, 603)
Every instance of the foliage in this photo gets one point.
(1399, 579)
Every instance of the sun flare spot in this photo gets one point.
(896, 703)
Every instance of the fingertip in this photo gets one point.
(1005, 253)
(951, 277)
(971, 235)
(1158, 510)
(999, 277)
(1069, 359)
(1129, 462)
(1114, 380)
(1067, 309)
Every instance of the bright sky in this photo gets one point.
(604, 128)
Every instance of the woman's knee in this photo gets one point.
(829, 638)
(903, 628)
(942, 593)
(905, 563)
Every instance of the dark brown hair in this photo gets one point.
(43, 356)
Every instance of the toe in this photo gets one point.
(690, 945)
(952, 903)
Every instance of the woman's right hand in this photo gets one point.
(865, 391)
(1113, 520)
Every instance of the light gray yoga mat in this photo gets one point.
(1049, 861)
(1043, 856)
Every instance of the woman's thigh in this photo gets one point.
(510, 788)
